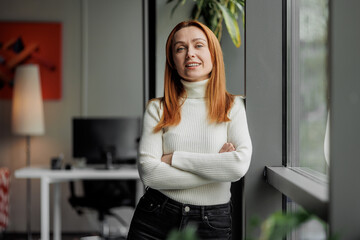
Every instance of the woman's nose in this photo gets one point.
(190, 52)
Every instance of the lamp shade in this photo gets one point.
(27, 106)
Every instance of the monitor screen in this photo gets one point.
(98, 139)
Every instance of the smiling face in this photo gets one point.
(191, 54)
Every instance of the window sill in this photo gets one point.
(310, 194)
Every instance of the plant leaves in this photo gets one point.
(232, 7)
(239, 6)
(231, 25)
(189, 233)
(279, 224)
(199, 5)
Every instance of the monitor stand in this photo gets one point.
(109, 160)
(108, 154)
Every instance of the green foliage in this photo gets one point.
(278, 225)
(214, 12)
(189, 233)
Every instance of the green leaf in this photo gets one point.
(231, 25)
(239, 6)
(232, 7)
(279, 224)
(189, 233)
(242, 2)
(199, 5)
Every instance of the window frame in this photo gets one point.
(263, 67)
(310, 194)
(301, 186)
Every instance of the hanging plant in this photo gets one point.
(215, 12)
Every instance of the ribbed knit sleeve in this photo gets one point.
(153, 172)
(223, 167)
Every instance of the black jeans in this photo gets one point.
(156, 215)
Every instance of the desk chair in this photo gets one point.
(102, 196)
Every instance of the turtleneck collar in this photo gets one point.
(195, 89)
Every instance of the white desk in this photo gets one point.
(56, 177)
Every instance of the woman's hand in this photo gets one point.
(166, 158)
(227, 147)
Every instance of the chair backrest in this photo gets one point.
(103, 195)
(107, 194)
(4, 197)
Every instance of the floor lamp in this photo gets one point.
(27, 116)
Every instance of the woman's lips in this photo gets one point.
(192, 65)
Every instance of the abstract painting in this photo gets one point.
(36, 43)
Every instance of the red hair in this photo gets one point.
(219, 101)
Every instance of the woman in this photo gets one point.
(195, 142)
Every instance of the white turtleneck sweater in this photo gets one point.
(199, 174)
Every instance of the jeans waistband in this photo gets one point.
(187, 209)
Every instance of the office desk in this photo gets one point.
(56, 177)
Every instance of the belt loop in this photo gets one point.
(164, 203)
(202, 212)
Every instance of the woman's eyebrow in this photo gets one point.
(193, 40)
(197, 39)
(178, 42)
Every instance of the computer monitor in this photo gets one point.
(106, 141)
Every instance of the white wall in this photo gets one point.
(114, 88)
(115, 58)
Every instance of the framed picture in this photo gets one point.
(36, 43)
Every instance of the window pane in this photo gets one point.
(308, 97)
(308, 83)
(310, 230)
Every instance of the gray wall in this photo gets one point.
(233, 57)
(263, 103)
(344, 120)
(110, 76)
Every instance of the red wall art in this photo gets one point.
(36, 43)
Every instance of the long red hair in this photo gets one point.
(219, 101)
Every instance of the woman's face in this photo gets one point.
(191, 54)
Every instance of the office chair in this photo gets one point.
(102, 196)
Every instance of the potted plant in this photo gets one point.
(215, 12)
(189, 233)
(276, 227)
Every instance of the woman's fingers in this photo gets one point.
(166, 158)
(227, 147)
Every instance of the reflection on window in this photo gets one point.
(308, 96)
(308, 83)
(310, 230)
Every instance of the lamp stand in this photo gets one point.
(28, 191)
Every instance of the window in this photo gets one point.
(307, 80)
(307, 98)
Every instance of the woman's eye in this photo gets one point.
(179, 49)
(199, 45)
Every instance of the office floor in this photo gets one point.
(65, 236)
